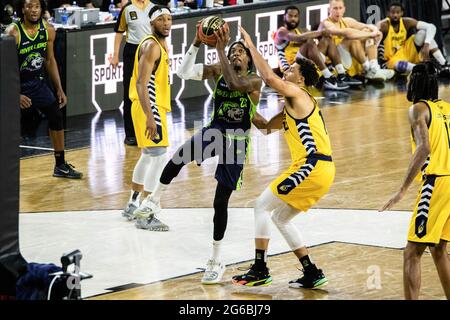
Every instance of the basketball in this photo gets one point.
(207, 27)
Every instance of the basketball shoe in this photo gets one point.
(129, 210)
(310, 280)
(151, 223)
(145, 216)
(214, 272)
(253, 278)
(66, 170)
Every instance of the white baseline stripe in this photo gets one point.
(36, 148)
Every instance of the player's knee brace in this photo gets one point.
(141, 168)
(158, 159)
(262, 219)
(282, 219)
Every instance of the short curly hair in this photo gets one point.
(21, 4)
(308, 70)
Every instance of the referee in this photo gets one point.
(134, 20)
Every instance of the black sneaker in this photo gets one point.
(332, 83)
(312, 280)
(66, 170)
(130, 141)
(253, 278)
(347, 80)
(444, 71)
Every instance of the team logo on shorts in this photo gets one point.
(285, 188)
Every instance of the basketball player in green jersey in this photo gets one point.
(35, 39)
(236, 96)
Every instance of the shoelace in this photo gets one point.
(71, 166)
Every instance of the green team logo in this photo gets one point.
(33, 62)
(231, 111)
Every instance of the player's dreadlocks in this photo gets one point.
(423, 83)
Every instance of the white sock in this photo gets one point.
(366, 65)
(137, 198)
(410, 67)
(160, 188)
(374, 66)
(216, 250)
(326, 73)
(340, 68)
(439, 57)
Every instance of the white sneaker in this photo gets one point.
(214, 272)
(148, 207)
(375, 75)
(388, 73)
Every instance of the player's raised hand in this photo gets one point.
(247, 39)
(223, 37)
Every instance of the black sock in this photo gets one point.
(260, 259)
(307, 265)
(59, 158)
(135, 195)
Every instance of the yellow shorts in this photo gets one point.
(303, 184)
(407, 53)
(431, 218)
(139, 120)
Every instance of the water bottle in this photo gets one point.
(64, 17)
(209, 4)
(199, 4)
(112, 9)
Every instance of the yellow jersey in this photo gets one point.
(306, 136)
(342, 25)
(438, 162)
(394, 41)
(158, 86)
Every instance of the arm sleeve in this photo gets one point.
(429, 28)
(188, 70)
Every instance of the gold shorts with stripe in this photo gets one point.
(407, 53)
(139, 121)
(431, 218)
(304, 183)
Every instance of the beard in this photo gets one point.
(292, 25)
(160, 35)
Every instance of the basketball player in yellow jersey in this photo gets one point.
(402, 47)
(309, 177)
(150, 96)
(290, 42)
(430, 223)
(357, 43)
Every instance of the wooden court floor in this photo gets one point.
(371, 149)
(355, 272)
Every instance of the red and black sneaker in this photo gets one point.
(253, 278)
